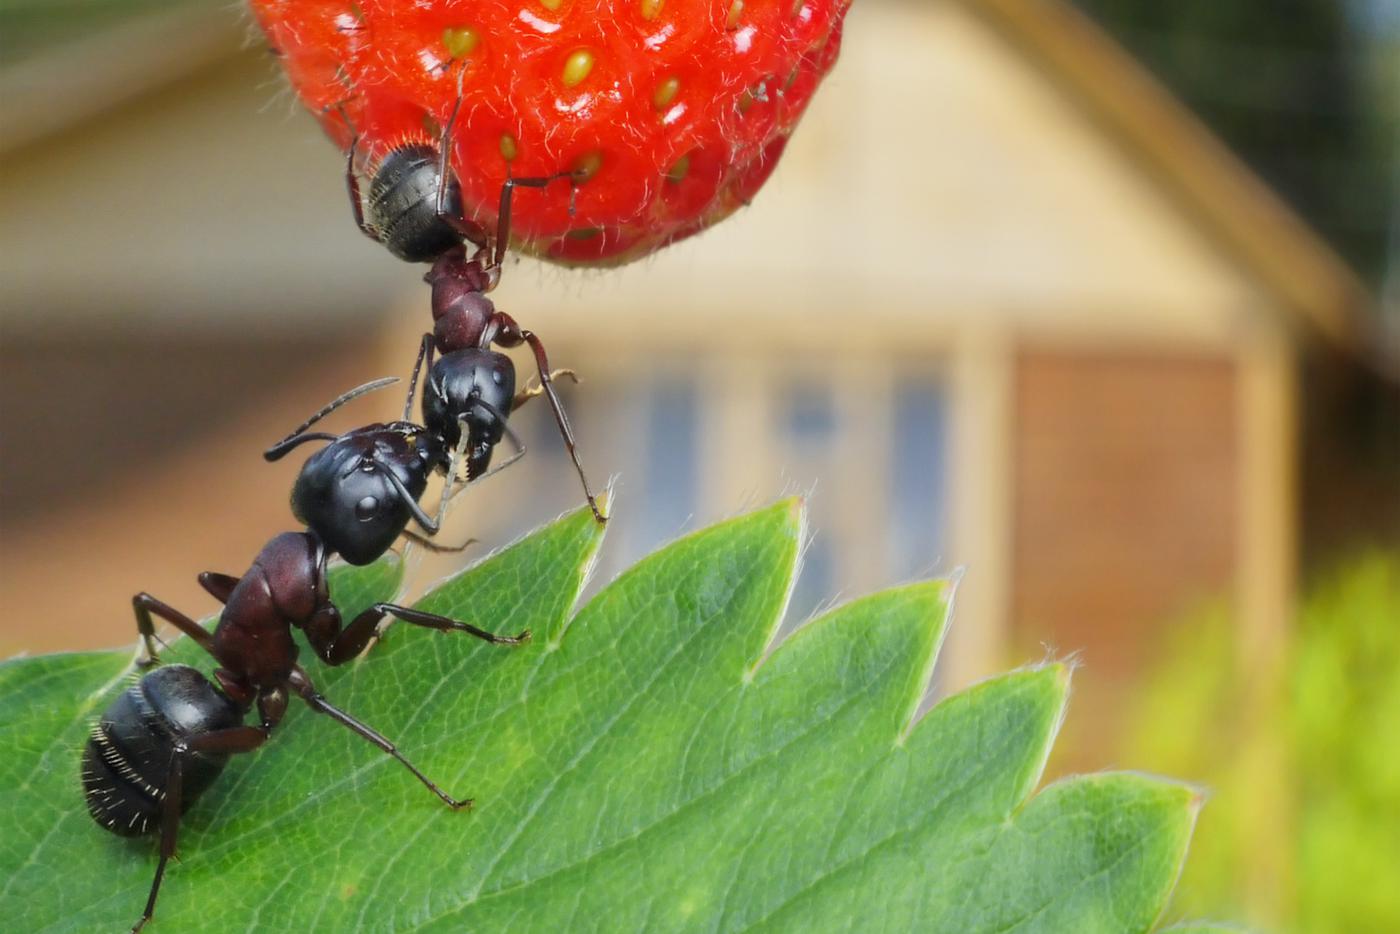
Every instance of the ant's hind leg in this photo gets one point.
(352, 187)
(144, 605)
(226, 742)
(303, 686)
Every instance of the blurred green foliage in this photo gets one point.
(32, 27)
(1302, 832)
(1303, 91)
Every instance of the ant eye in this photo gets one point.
(366, 508)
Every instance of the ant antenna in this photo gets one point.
(414, 509)
(286, 445)
(296, 436)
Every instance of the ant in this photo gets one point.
(167, 737)
(415, 210)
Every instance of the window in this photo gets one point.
(918, 483)
(672, 453)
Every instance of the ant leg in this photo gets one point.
(466, 229)
(528, 393)
(351, 640)
(219, 586)
(445, 624)
(502, 240)
(438, 549)
(303, 686)
(232, 740)
(144, 605)
(299, 434)
(510, 334)
(352, 186)
(425, 354)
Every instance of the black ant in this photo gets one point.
(415, 210)
(167, 738)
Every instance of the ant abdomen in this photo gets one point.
(128, 758)
(402, 207)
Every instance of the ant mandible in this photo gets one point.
(415, 210)
(167, 737)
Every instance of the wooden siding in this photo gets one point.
(1125, 497)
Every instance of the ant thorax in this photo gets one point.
(461, 310)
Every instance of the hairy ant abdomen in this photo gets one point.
(402, 206)
(126, 762)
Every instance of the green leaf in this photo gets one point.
(641, 766)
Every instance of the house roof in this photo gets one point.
(1210, 183)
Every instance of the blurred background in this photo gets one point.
(1098, 303)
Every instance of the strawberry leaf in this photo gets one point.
(642, 765)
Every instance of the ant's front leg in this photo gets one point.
(144, 605)
(423, 363)
(504, 329)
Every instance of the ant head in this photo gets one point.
(475, 388)
(402, 204)
(358, 493)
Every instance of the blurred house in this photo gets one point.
(1006, 307)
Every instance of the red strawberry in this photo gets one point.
(676, 110)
